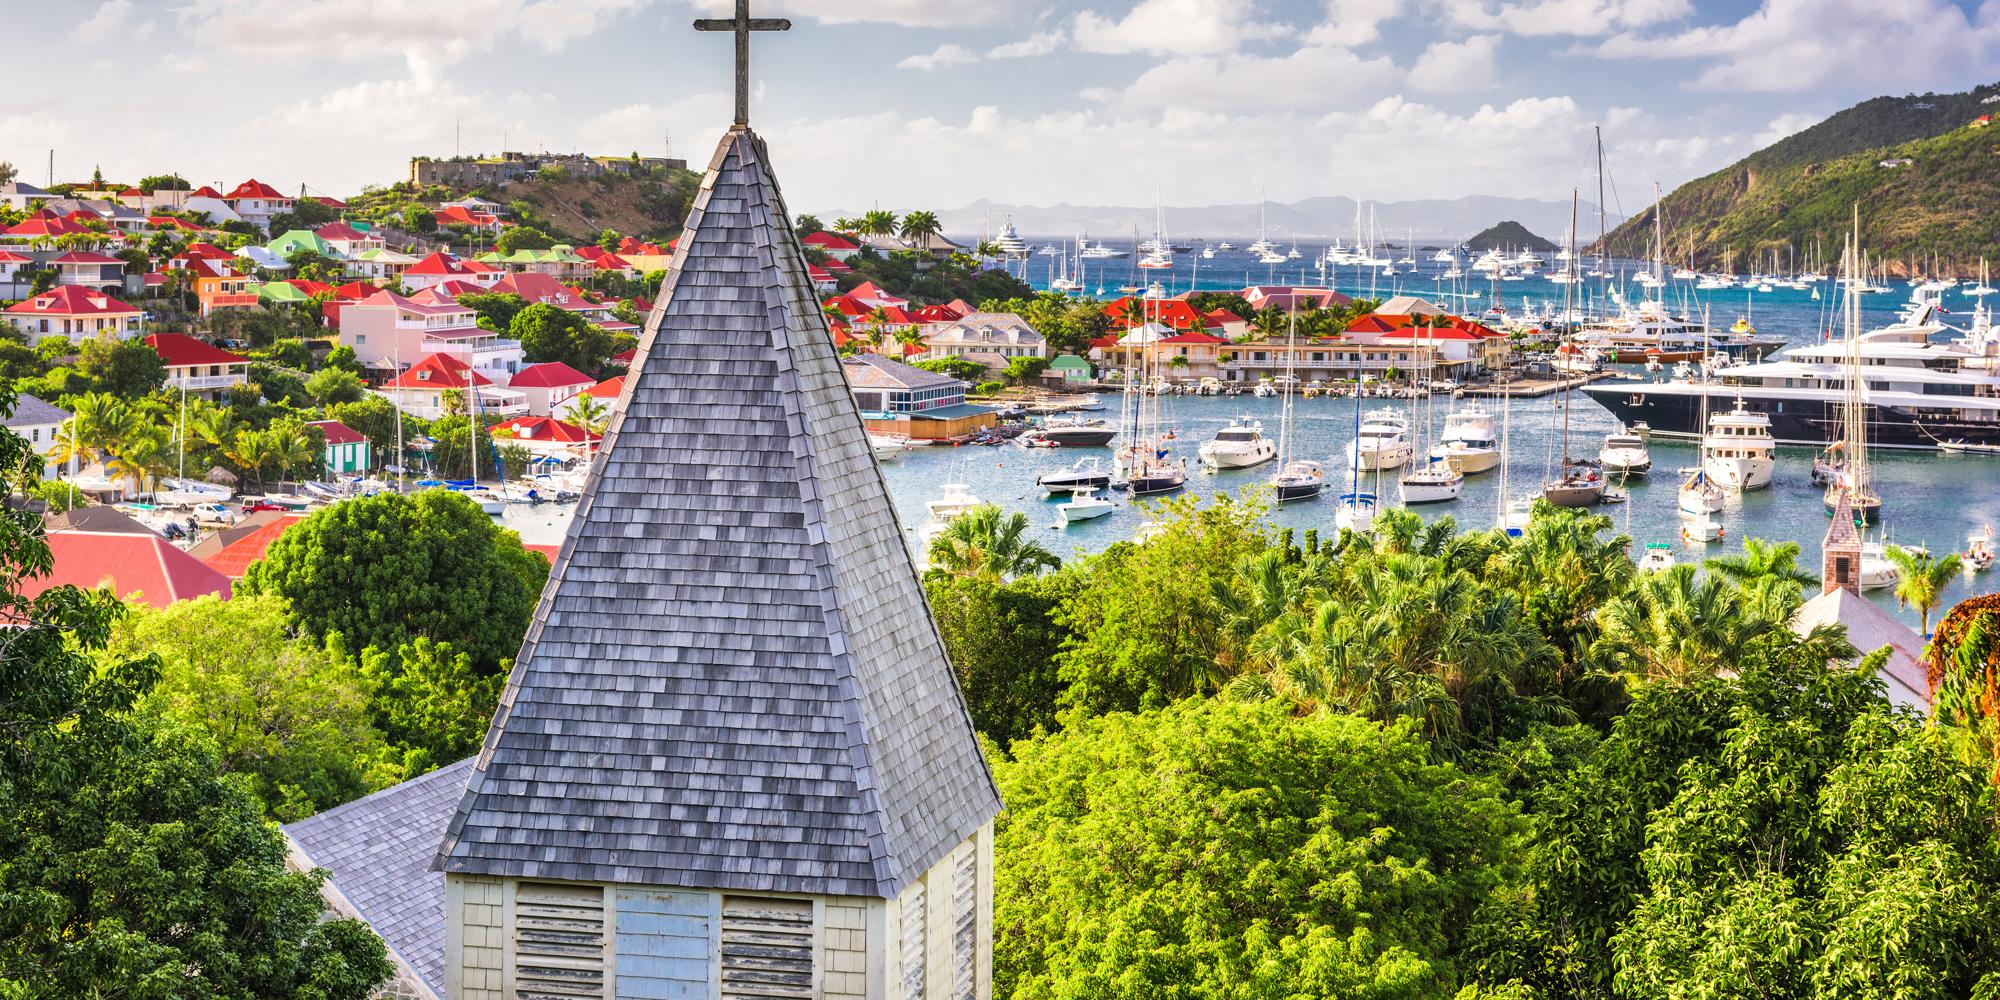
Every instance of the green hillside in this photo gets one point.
(1510, 235)
(1799, 192)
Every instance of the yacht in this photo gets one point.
(887, 446)
(1738, 451)
(1082, 505)
(1625, 452)
(1468, 441)
(1302, 479)
(1659, 556)
(1240, 445)
(1154, 476)
(1383, 442)
(1071, 432)
(1924, 383)
(1435, 481)
(1009, 243)
(1087, 473)
(952, 500)
(1699, 495)
(1877, 572)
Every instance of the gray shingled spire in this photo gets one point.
(733, 680)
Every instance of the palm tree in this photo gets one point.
(878, 222)
(141, 456)
(1763, 562)
(98, 421)
(452, 402)
(1678, 627)
(987, 543)
(1924, 579)
(919, 225)
(251, 451)
(290, 448)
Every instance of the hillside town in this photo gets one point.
(578, 574)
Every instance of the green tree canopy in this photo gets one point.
(523, 237)
(332, 386)
(385, 570)
(1213, 849)
(290, 714)
(550, 333)
(126, 368)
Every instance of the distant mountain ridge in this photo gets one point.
(1437, 220)
(1927, 181)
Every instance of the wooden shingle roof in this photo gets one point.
(732, 681)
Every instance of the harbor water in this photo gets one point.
(1929, 499)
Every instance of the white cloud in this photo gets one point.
(911, 13)
(1586, 18)
(948, 54)
(1353, 22)
(1244, 81)
(427, 34)
(1173, 26)
(643, 126)
(1786, 125)
(1448, 67)
(110, 16)
(1800, 45)
(1039, 44)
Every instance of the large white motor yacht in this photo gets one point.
(1383, 442)
(1739, 453)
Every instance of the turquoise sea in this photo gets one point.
(1930, 499)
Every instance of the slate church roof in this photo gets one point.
(732, 680)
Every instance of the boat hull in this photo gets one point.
(1441, 491)
(1290, 492)
(1469, 461)
(1573, 495)
(1146, 486)
(1233, 459)
(1071, 513)
(1807, 422)
(1740, 475)
(1064, 482)
(1093, 437)
(1379, 459)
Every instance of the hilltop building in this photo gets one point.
(471, 172)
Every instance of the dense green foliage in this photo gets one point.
(1436, 763)
(1803, 191)
(129, 864)
(551, 333)
(1224, 850)
(385, 570)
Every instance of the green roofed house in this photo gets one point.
(294, 240)
(281, 293)
(1069, 368)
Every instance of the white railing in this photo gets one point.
(205, 381)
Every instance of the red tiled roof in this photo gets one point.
(872, 291)
(169, 222)
(545, 429)
(625, 357)
(329, 202)
(71, 300)
(337, 432)
(607, 389)
(534, 286)
(1430, 333)
(235, 558)
(179, 349)
(309, 286)
(354, 291)
(1220, 316)
(548, 375)
(9, 257)
(126, 562)
(937, 314)
(204, 251)
(205, 191)
(46, 223)
(1174, 313)
(829, 242)
(438, 263)
(1377, 323)
(253, 188)
(464, 217)
(339, 231)
(437, 371)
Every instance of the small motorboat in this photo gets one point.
(1877, 571)
(1699, 496)
(1581, 485)
(1082, 505)
(1978, 557)
(1087, 473)
(1659, 556)
(952, 500)
(887, 446)
(1700, 529)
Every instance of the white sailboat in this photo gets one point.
(1433, 480)
(1579, 483)
(1297, 478)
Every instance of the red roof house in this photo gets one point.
(127, 563)
(253, 188)
(74, 312)
(548, 385)
(544, 430)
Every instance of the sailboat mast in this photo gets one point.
(1599, 131)
(1569, 297)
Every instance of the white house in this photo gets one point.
(37, 422)
(201, 369)
(388, 331)
(549, 385)
(76, 313)
(1004, 334)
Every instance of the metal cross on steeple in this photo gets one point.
(743, 24)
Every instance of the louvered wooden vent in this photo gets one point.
(767, 948)
(964, 923)
(913, 943)
(558, 941)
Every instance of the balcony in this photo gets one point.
(194, 383)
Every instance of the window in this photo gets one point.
(964, 923)
(558, 941)
(913, 926)
(767, 948)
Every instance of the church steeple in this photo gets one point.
(1840, 551)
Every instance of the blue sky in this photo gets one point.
(936, 103)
